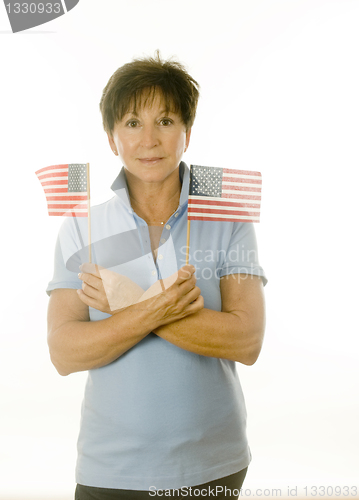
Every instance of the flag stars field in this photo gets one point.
(222, 194)
(65, 188)
(77, 178)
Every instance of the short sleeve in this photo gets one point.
(67, 245)
(242, 253)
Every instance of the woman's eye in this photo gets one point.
(166, 122)
(132, 123)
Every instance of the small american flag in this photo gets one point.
(223, 194)
(65, 188)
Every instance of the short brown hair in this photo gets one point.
(128, 84)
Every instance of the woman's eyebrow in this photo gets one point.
(164, 111)
(167, 111)
(133, 113)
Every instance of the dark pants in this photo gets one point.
(226, 488)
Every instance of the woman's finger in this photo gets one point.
(90, 291)
(195, 306)
(91, 280)
(184, 274)
(188, 284)
(87, 299)
(191, 296)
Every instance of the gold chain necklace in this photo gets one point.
(161, 222)
(148, 221)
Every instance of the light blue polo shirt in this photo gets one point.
(159, 415)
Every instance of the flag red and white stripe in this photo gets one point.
(223, 194)
(65, 189)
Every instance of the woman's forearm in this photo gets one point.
(217, 334)
(77, 344)
(84, 345)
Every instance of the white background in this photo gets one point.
(279, 84)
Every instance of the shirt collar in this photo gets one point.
(119, 186)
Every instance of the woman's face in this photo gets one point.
(150, 142)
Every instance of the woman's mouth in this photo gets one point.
(150, 161)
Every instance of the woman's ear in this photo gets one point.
(188, 136)
(112, 143)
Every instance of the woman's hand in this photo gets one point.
(168, 300)
(179, 298)
(106, 290)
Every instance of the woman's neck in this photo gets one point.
(155, 204)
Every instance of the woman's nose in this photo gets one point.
(149, 137)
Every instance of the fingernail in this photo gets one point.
(79, 275)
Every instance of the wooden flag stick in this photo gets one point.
(89, 211)
(188, 233)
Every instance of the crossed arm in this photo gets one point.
(235, 333)
(172, 310)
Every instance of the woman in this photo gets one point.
(163, 407)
